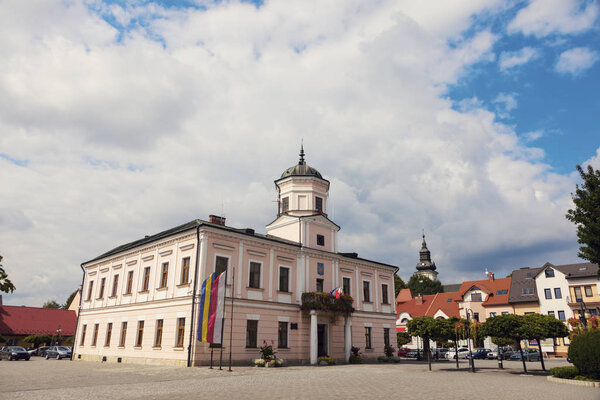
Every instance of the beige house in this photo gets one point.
(138, 303)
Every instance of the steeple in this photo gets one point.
(301, 162)
(425, 266)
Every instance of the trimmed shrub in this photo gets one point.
(355, 359)
(383, 358)
(564, 372)
(325, 360)
(395, 359)
(584, 353)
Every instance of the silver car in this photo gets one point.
(58, 352)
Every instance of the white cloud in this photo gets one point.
(594, 161)
(575, 61)
(533, 135)
(543, 17)
(126, 138)
(510, 59)
(505, 103)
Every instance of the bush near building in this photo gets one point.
(584, 353)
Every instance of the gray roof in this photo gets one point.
(581, 270)
(523, 278)
(452, 287)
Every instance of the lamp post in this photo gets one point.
(582, 314)
(467, 310)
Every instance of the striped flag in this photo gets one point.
(212, 307)
(338, 291)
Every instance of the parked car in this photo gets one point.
(58, 352)
(402, 351)
(14, 353)
(479, 353)
(462, 353)
(412, 354)
(528, 355)
(506, 353)
(440, 353)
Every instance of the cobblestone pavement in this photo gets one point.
(52, 379)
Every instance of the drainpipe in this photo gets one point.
(189, 358)
(78, 311)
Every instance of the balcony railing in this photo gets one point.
(327, 302)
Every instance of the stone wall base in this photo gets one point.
(573, 382)
(130, 360)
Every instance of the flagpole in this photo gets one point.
(223, 322)
(231, 323)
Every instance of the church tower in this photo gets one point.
(426, 267)
(302, 195)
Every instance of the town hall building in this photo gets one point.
(140, 300)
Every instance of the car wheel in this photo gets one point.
(47, 358)
(58, 356)
(9, 358)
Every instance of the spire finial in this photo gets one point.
(301, 162)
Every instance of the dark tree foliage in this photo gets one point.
(421, 285)
(584, 352)
(6, 285)
(586, 214)
(69, 300)
(402, 338)
(37, 340)
(51, 304)
(398, 284)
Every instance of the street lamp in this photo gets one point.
(582, 314)
(467, 310)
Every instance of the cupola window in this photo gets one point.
(318, 204)
(285, 204)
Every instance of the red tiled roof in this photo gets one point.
(404, 295)
(21, 320)
(447, 302)
(413, 308)
(491, 287)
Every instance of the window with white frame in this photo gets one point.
(254, 275)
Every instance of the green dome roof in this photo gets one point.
(301, 169)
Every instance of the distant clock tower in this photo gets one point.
(426, 267)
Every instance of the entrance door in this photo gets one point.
(323, 340)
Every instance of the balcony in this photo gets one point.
(327, 303)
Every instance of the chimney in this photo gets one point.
(490, 276)
(215, 219)
(419, 300)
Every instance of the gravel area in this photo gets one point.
(53, 379)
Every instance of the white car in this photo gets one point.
(462, 353)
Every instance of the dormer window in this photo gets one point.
(285, 204)
(319, 204)
(549, 273)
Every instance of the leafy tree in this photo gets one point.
(403, 338)
(37, 340)
(420, 285)
(584, 352)
(506, 326)
(427, 328)
(586, 214)
(398, 284)
(51, 304)
(6, 285)
(2, 339)
(69, 300)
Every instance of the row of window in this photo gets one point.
(285, 204)
(164, 276)
(158, 334)
(577, 292)
(561, 315)
(557, 293)
(283, 340)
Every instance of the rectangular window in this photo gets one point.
(90, 290)
(146, 281)
(529, 312)
(82, 341)
(366, 291)
(158, 335)
(164, 275)
(319, 204)
(284, 279)
(588, 291)
(578, 296)
(548, 293)
(180, 331)
(320, 240)
(285, 204)
(504, 312)
(492, 314)
(251, 333)
(95, 337)
(561, 315)
(384, 294)
(346, 285)
(129, 282)
(115, 286)
(549, 273)
(475, 296)
(319, 285)
(102, 284)
(140, 334)
(254, 279)
(476, 316)
(368, 344)
(185, 270)
(386, 337)
(282, 336)
(108, 334)
(221, 264)
(123, 334)
(551, 313)
(557, 293)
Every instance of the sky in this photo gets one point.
(465, 119)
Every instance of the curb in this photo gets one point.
(573, 382)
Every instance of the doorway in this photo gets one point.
(323, 345)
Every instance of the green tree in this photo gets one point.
(428, 329)
(402, 338)
(508, 327)
(420, 285)
(2, 339)
(6, 285)
(69, 300)
(51, 304)
(586, 214)
(37, 340)
(398, 284)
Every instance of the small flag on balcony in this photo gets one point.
(212, 307)
(338, 291)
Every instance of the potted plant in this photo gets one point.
(355, 357)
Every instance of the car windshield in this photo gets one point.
(16, 348)
(63, 348)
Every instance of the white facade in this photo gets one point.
(550, 282)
